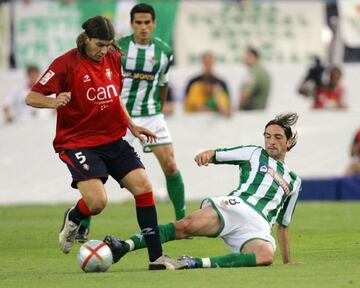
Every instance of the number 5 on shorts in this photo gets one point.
(80, 157)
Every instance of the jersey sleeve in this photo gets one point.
(234, 155)
(164, 78)
(287, 211)
(53, 79)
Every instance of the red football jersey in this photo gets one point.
(93, 116)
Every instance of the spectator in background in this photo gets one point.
(207, 92)
(14, 106)
(208, 95)
(255, 89)
(331, 95)
(354, 167)
(313, 79)
(208, 64)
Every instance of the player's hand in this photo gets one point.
(291, 262)
(138, 131)
(62, 100)
(204, 158)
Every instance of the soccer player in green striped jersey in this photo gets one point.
(146, 61)
(266, 195)
(145, 64)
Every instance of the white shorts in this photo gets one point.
(241, 222)
(155, 124)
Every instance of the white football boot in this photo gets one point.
(164, 262)
(67, 233)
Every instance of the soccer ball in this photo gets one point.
(94, 256)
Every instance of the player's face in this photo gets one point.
(208, 61)
(275, 142)
(143, 25)
(249, 58)
(96, 49)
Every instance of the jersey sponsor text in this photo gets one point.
(101, 93)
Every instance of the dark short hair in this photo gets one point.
(142, 8)
(253, 51)
(99, 27)
(286, 121)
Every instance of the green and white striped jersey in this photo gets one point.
(266, 184)
(144, 69)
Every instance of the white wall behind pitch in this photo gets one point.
(30, 172)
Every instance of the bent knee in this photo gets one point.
(145, 187)
(142, 186)
(182, 228)
(170, 168)
(96, 207)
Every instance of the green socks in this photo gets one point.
(137, 241)
(227, 261)
(176, 191)
(86, 222)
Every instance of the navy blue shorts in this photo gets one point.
(116, 159)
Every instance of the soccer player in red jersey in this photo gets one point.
(91, 121)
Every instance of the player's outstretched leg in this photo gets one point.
(120, 248)
(225, 261)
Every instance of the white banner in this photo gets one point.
(122, 17)
(4, 35)
(282, 31)
(44, 30)
(349, 14)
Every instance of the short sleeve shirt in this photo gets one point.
(93, 116)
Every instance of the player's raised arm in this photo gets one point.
(38, 100)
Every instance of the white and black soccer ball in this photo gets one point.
(94, 256)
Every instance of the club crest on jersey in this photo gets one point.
(108, 73)
(153, 60)
(263, 168)
(47, 77)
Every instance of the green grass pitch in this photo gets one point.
(325, 242)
